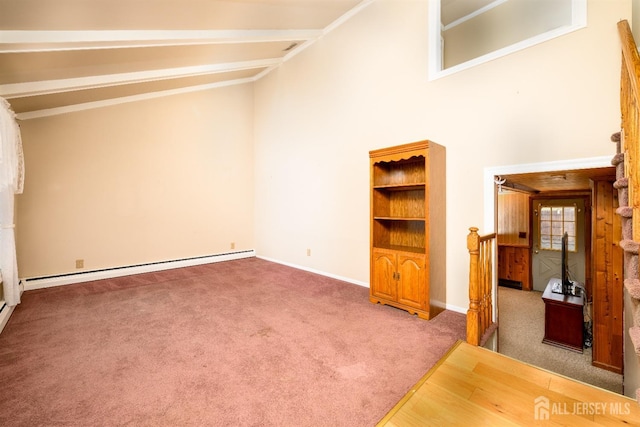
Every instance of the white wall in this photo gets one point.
(635, 29)
(147, 181)
(364, 86)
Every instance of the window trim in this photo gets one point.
(578, 21)
(575, 227)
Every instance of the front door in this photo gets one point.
(551, 218)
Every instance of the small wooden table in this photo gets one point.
(563, 319)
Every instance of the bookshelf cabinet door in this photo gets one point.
(383, 282)
(412, 290)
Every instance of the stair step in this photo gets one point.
(617, 159)
(615, 137)
(634, 333)
(621, 183)
(625, 211)
(630, 246)
(633, 287)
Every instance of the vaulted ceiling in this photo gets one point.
(66, 55)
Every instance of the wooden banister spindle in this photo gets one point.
(488, 279)
(480, 313)
(483, 284)
(473, 314)
(489, 282)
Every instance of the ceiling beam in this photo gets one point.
(132, 98)
(17, 90)
(44, 41)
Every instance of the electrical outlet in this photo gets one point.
(233, 245)
(308, 252)
(79, 263)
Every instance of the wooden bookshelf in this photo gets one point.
(408, 243)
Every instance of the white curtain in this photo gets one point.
(11, 183)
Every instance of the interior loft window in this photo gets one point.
(463, 34)
(554, 222)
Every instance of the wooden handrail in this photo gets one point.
(629, 54)
(480, 313)
(629, 145)
(629, 107)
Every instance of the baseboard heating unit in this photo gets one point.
(513, 284)
(108, 273)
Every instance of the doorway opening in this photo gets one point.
(538, 188)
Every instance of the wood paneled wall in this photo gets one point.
(607, 276)
(513, 218)
(514, 264)
(514, 248)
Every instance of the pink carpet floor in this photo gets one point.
(236, 343)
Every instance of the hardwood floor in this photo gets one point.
(474, 386)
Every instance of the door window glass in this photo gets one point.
(554, 222)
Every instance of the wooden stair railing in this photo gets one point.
(628, 177)
(630, 112)
(480, 313)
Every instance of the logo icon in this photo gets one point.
(541, 408)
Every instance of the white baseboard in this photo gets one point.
(5, 314)
(312, 270)
(47, 282)
(68, 279)
(456, 308)
(348, 280)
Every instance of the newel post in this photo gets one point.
(473, 317)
